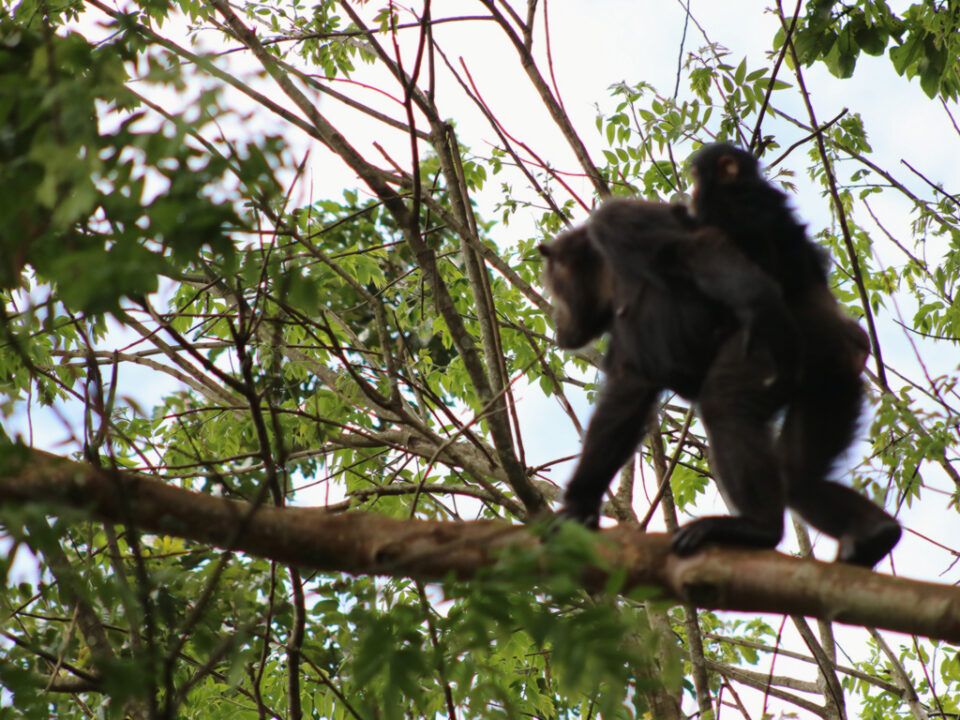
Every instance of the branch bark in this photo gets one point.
(363, 543)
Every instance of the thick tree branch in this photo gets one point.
(364, 543)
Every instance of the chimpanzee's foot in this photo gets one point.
(870, 548)
(723, 530)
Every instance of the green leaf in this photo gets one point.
(930, 83)
(741, 72)
(872, 40)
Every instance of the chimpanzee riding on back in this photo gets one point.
(687, 312)
(740, 321)
(730, 194)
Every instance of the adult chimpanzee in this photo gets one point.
(686, 311)
(730, 194)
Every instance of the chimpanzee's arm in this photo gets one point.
(721, 272)
(618, 424)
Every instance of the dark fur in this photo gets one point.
(730, 194)
(686, 311)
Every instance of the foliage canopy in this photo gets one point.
(180, 302)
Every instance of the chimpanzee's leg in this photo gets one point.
(818, 428)
(618, 424)
(737, 401)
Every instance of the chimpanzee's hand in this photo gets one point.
(774, 332)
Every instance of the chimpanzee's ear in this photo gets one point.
(728, 169)
(545, 250)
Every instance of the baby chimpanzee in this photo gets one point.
(731, 195)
